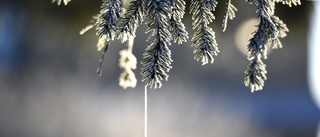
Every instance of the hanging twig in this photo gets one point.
(99, 70)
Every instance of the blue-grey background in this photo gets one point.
(49, 86)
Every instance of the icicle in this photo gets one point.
(145, 112)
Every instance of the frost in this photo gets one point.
(204, 38)
(268, 32)
(229, 14)
(127, 79)
(65, 2)
(164, 23)
(108, 20)
(177, 28)
(128, 62)
(131, 20)
(157, 56)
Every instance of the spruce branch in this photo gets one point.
(108, 21)
(65, 2)
(256, 73)
(290, 2)
(265, 9)
(164, 23)
(157, 56)
(177, 28)
(229, 14)
(131, 20)
(282, 28)
(266, 31)
(204, 37)
(257, 44)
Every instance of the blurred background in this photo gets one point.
(49, 86)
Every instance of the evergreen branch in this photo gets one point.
(164, 23)
(108, 21)
(266, 31)
(177, 28)
(65, 2)
(290, 2)
(257, 44)
(265, 9)
(204, 37)
(269, 32)
(256, 74)
(131, 20)
(229, 14)
(282, 28)
(157, 57)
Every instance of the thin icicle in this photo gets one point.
(145, 111)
